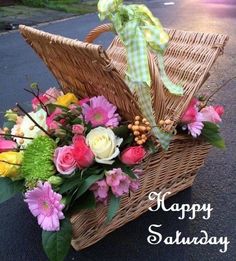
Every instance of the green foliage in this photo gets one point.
(9, 188)
(211, 133)
(69, 6)
(57, 244)
(35, 3)
(87, 183)
(87, 201)
(70, 183)
(37, 162)
(114, 204)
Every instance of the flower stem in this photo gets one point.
(10, 163)
(27, 114)
(37, 97)
(223, 85)
(16, 136)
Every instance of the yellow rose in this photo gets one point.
(9, 163)
(104, 144)
(67, 99)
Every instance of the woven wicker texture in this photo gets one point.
(171, 171)
(87, 70)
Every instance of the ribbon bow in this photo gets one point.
(139, 30)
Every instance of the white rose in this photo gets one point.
(104, 144)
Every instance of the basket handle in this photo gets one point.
(97, 31)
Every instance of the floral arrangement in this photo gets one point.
(69, 154)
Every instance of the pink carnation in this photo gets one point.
(100, 112)
(45, 204)
(100, 190)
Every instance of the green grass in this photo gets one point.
(69, 6)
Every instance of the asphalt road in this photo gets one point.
(20, 237)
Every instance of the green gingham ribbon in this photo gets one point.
(138, 30)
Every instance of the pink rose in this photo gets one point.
(209, 114)
(190, 115)
(6, 145)
(82, 153)
(219, 109)
(64, 160)
(78, 129)
(133, 155)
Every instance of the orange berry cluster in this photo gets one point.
(166, 125)
(140, 129)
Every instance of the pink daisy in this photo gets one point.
(195, 128)
(100, 112)
(45, 204)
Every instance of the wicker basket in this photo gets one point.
(88, 70)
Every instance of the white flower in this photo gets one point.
(104, 144)
(27, 128)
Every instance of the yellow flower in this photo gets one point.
(67, 99)
(9, 163)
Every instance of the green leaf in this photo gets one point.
(114, 204)
(127, 170)
(52, 107)
(70, 183)
(57, 244)
(87, 183)
(121, 131)
(87, 201)
(9, 188)
(211, 133)
(150, 146)
(77, 121)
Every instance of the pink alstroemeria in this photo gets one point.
(100, 190)
(210, 114)
(118, 181)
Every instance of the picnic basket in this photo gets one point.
(86, 69)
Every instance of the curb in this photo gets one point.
(47, 23)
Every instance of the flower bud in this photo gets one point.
(55, 180)
(10, 115)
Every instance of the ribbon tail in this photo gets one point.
(172, 88)
(145, 103)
